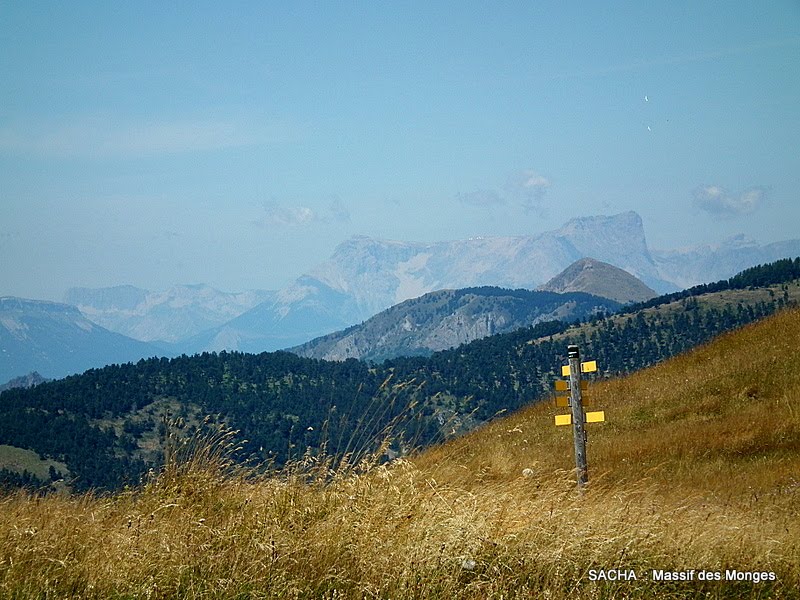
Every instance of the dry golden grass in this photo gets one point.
(696, 468)
(720, 420)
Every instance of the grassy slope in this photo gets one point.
(722, 419)
(19, 460)
(696, 468)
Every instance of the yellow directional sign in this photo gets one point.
(586, 367)
(597, 416)
(562, 401)
(563, 394)
(563, 386)
(563, 419)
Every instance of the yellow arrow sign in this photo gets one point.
(563, 401)
(597, 416)
(563, 386)
(586, 367)
(563, 419)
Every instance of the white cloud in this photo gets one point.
(717, 201)
(524, 188)
(105, 136)
(165, 234)
(278, 215)
(528, 188)
(533, 181)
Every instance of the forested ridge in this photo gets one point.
(97, 422)
(781, 271)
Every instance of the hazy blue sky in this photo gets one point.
(237, 143)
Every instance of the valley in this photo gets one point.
(695, 470)
(111, 425)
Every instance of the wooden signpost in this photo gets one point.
(570, 393)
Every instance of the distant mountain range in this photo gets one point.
(57, 340)
(691, 266)
(449, 318)
(170, 316)
(303, 311)
(366, 275)
(363, 277)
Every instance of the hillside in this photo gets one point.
(449, 318)
(693, 476)
(599, 279)
(109, 426)
(56, 340)
(721, 420)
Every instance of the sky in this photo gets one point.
(236, 143)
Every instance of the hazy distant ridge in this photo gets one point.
(365, 276)
(170, 315)
(56, 340)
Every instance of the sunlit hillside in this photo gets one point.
(722, 420)
(697, 468)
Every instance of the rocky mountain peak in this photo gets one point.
(600, 279)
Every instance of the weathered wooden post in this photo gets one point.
(570, 393)
(576, 402)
